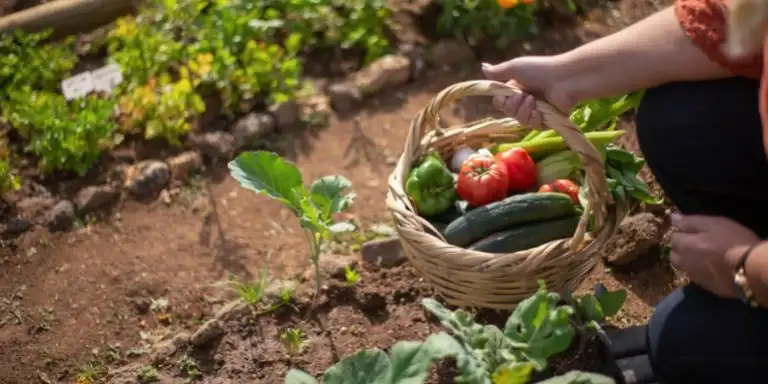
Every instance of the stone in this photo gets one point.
(385, 253)
(147, 178)
(15, 226)
(207, 332)
(90, 199)
(251, 128)
(345, 96)
(286, 113)
(61, 216)
(34, 206)
(181, 165)
(387, 72)
(636, 236)
(217, 144)
(450, 52)
(316, 110)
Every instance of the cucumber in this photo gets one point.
(527, 236)
(501, 215)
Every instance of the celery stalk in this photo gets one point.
(539, 148)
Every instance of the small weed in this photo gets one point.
(293, 340)
(148, 374)
(252, 293)
(90, 374)
(351, 276)
(189, 368)
(160, 308)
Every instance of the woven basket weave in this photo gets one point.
(497, 281)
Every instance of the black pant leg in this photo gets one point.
(703, 142)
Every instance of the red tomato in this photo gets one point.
(520, 167)
(482, 179)
(563, 186)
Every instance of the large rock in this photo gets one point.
(252, 127)
(388, 72)
(636, 236)
(345, 96)
(214, 144)
(90, 199)
(286, 114)
(184, 163)
(386, 253)
(147, 178)
(61, 216)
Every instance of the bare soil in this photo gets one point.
(91, 300)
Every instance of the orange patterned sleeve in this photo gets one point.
(704, 23)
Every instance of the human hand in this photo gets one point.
(539, 78)
(703, 247)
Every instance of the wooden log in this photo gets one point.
(67, 17)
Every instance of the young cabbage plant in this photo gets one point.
(269, 174)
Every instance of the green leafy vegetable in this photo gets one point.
(269, 174)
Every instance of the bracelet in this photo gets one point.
(740, 278)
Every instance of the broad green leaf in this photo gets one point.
(299, 377)
(370, 366)
(411, 359)
(327, 194)
(269, 174)
(590, 307)
(513, 373)
(552, 337)
(612, 301)
(579, 377)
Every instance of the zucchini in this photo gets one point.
(512, 211)
(527, 236)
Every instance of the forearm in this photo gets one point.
(651, 52)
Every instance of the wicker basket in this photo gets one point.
(497, 281)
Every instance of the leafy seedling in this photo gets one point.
(409, 363)
(252, 293)
(268, 174)
(293, 340)
(351, 276)
(591, 310)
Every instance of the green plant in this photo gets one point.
(67, 136)
(142, 50)
(9, 180)
(293, 340)
(351, 276)
(162, 107)
(148, 374)
(478, 20)
(189, 368)
(251, 293)
(591, 310)
(268, 174)
(26, 64)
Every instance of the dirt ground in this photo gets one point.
(75, 303)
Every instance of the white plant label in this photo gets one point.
(107, 78)
(77, 86)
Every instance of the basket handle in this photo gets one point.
(598, 193)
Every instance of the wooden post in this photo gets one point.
(67, 17)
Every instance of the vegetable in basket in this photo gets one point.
(528, 235)
(430, 186)
(540, 148)
(565, 186)
(520, 168)
(482, 179)
(561, 165)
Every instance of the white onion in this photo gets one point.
(461, 155)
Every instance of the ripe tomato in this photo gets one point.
(505, 4)
(563, 186)
(482, 179)
(520, 167)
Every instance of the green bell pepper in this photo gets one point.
(431, 186)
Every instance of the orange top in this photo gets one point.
(704, 21)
